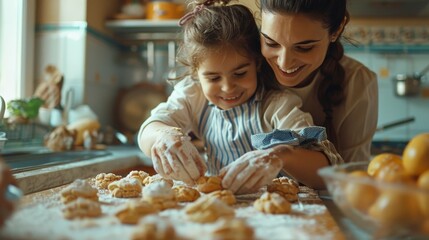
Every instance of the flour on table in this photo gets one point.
(39, 217)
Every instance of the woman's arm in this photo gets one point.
(303, 164)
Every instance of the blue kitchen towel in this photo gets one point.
(276, 137)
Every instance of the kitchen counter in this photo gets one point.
(121, 157)
(125, 158)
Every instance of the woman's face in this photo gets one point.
(228, 78)
(294, 45)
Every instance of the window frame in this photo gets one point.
(17, 38)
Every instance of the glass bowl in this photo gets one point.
(385, 210)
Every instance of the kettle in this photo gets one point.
(408, 85)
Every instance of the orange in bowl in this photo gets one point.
(380, 161)
(355, 190)
(416, 155)
(396, 208)
(393, 172)
(423, 183)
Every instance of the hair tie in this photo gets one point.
(191, 14)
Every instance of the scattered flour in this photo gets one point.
(39, 216)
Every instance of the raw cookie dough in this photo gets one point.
(79, 188)
(81, 208)
(208, 209)
(160, 194)
(232, 229)
(131, 212)
(139, 175)
(207, 184)
(102, 180)
(186, 194)
(154, 227)
(157, 178)
(272, 203)
(225, 196)
(125, 188)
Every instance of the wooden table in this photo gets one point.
(39, 216)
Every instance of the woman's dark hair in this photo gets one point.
(212, 27)
(333, 15)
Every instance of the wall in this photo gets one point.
(390, 47)
(95, 65)
(70, 34)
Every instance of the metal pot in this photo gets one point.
(408, 85)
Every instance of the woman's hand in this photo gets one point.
(175, 157)
(251, 171)
(6, 206)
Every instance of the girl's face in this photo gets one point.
(228, 79)
(294, 46)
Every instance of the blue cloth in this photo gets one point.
(288, 137)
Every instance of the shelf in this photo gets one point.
(145, 30)
(388, 48)
(146, 26)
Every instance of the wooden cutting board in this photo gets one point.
(39, 216)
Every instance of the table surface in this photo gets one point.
(309, 219)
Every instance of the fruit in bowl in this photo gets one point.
(387, 196)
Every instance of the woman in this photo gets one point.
(301, 42)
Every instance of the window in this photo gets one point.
(17, 26)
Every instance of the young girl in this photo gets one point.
(228, 98)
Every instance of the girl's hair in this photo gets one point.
(212, 26)
(331, 13)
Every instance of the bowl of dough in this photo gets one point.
(388, 196)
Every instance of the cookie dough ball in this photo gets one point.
(293, 184)
(125, 188)
(157, 178)
(225, 196)
(186, 194)
(139, 175)
(102, 180)
(207, 184)
(287, 191)
(232, 228)
(154, 227)
(160, 195)
(131, 212)
(208, 209)
(82, 208)
(79, 188)
(272, 203)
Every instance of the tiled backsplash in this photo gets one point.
(90, 64)
(392, 107)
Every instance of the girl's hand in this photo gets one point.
(251, 171)
(175, 157)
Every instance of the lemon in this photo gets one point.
(380, 161)
(416, 155)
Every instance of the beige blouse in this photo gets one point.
(355, 120)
